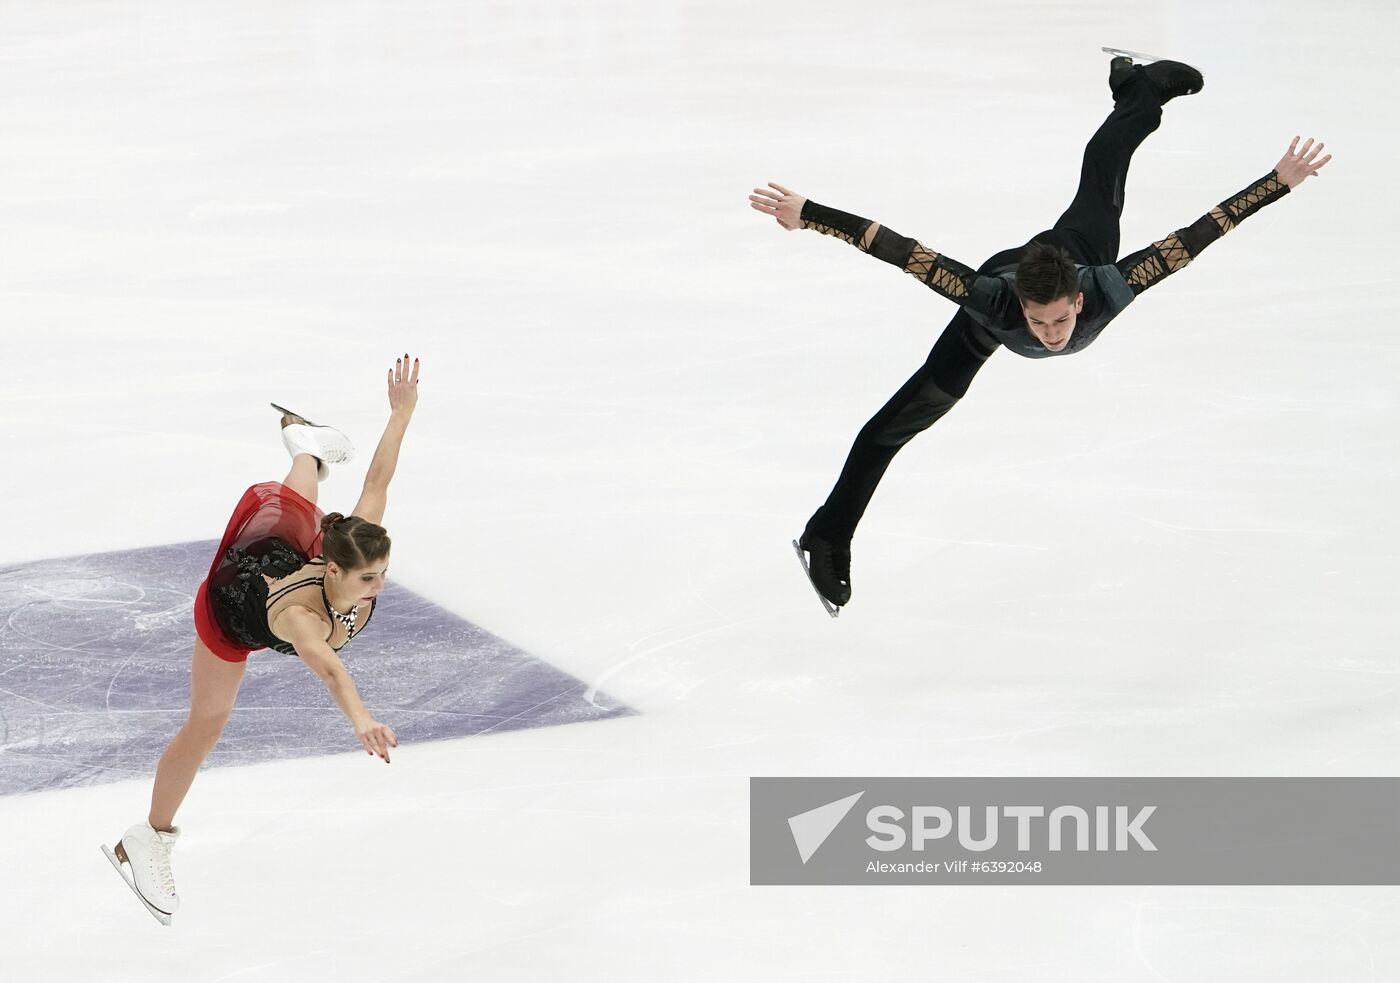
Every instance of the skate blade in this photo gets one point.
(156, 913)
(1138, 57)
(286, 412)
(831, 609)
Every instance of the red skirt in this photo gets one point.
(270, 510)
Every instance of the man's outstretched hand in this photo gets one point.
(782, 204)
(1298, 165)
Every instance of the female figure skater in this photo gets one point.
(285, 577)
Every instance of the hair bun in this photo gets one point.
(330, 520)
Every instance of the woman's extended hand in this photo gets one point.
(376, 737)
(782, 204)
(1297, 166)
(403, 386)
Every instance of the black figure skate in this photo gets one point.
(1168, 79)
(829, 570)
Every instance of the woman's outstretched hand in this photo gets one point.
(403, 386)
(782, 204)
(1298, 165)
(376, 737)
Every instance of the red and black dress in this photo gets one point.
(274, 532)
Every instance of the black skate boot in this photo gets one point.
(1172, 79)
(1120, 70)
(1168, 79)
(828, 566)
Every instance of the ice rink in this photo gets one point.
(1169, 555)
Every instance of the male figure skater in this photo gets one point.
(1052, 296)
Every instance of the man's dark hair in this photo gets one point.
(1046, 273)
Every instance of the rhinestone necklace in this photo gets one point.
(348, 620)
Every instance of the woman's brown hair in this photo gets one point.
(351, 542)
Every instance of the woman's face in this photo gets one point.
(365, 582)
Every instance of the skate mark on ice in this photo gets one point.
(592, 692)
(1138, 907)
(95, 654)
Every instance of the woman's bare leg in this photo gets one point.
(213, 688)
(302, 478)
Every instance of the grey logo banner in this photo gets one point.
(1074, 830)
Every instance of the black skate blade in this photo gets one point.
(156, 913)
(831, 609)
(1138, 57)
(286, 412)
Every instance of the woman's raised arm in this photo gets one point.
(403, 398)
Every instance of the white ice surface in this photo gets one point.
(1172, 554)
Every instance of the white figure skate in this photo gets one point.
(142, 857)
(326, 444)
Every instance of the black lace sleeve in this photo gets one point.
(1149, 267)
(937, 272)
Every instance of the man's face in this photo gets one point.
(1053, 323)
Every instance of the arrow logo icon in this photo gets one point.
(811, 828)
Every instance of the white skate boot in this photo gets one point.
(326, 444)
(142, 857)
